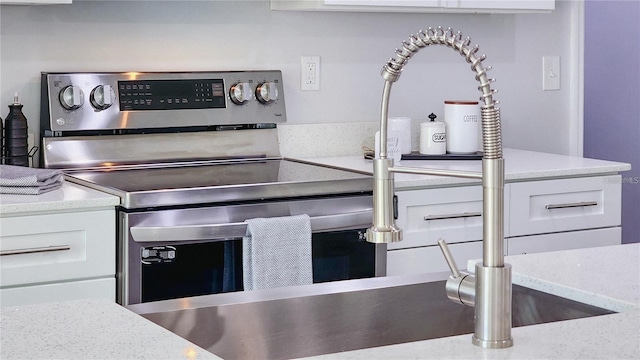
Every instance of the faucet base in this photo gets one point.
(493, 307)
(492, 344)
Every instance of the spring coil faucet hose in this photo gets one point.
(492, 140)
(489, 290)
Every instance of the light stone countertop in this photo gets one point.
(88, 329)
(69, 197)
(520, 165)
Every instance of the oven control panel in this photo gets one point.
(139, 100)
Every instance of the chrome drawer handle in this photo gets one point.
(35, 250)
(452, 216)
(571, 205)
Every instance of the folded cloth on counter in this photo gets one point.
(277, 252)
(28, 181)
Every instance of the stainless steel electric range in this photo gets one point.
(192, 155)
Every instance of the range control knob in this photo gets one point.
(267, 92)
(71, 97)
(240, 93)
(102, 97)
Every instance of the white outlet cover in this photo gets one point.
(310, 73)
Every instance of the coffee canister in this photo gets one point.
(433, 138)
(463, 122)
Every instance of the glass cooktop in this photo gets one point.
(212, 182)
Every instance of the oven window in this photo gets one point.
(342, 255)
(176, 271)
(193, 269)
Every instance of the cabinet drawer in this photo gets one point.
(429, 259)
(564, 241)
(55, 247)
(539, 207)
(83, 289)
(454, 214)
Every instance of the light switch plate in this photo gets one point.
(550, 73)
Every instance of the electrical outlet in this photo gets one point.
(310, 73)
(550, 73)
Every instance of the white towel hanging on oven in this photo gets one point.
(277, 252)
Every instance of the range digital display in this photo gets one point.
(171, 94)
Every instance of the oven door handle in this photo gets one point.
(222, 232)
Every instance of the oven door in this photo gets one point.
(177, 253)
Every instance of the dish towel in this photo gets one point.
(277, 252)
(28, 181)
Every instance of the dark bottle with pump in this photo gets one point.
(16, 136)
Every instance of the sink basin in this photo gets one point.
(299, 326)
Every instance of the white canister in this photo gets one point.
(433, 138)
(463, 126)
(402, 127)
(393, 145)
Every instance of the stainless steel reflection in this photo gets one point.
(493, 322)
(333, 317)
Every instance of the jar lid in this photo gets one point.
(460, 102)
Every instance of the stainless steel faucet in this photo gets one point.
(490, 289)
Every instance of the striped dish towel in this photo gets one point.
(28, 181)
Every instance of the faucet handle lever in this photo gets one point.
(449, 258)
(461, 287)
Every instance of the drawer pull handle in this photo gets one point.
(35, 250)
(452, 216)
(571, 205)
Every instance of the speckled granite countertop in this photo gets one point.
(88, 329)
(520, 165)
(605, 276)
(69, 197)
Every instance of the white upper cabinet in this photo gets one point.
(502, 4)
(34, 2)
(436, 6)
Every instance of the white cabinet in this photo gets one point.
(544, 215)
(501, 4)
(549, 206)
(58, 256)
(564, 241)
(34, 2)
(434, 6)
(550, 215)
(425, 216)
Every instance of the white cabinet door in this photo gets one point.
(502, 4)
(84, 289)
(564, 241)
(405, 3)
(57, 247)
(548, 206)
(34, 2)
(454, 214)
(429, 259)
(425, 6)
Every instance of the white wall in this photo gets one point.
(220, 35)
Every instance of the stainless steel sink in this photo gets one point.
(290, 326)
